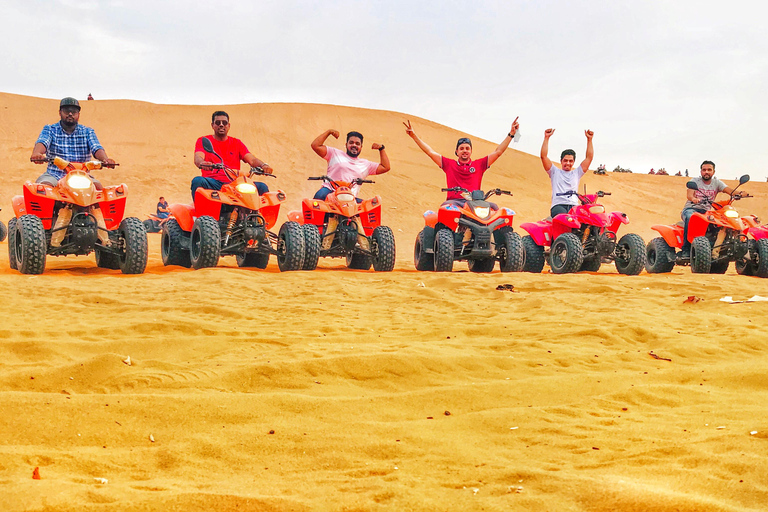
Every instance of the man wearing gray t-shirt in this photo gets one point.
(565, 178)
(699, 200)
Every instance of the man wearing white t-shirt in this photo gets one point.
(565, 178)
(348, 166)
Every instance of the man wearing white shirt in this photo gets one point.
(565, 178)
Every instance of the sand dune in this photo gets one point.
(349, 390)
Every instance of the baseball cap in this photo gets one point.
(69, 102)
(463, 140)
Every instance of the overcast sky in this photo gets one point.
(662, 83)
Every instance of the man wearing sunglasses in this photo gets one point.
(73, 142)
(232, 150)
(463, 172)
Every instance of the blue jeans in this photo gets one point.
(212, 184)
(323, 193)
(686, 216)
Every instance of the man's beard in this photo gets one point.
(68, 124)
(353, 155)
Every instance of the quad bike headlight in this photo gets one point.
(78, 181)
(731, 214)
(482, 211)
(597, 209)
(345, 197)
(246, 188)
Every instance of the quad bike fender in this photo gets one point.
(448, 216)
(616, 219)
(370, 214)
(184, 215)
(270, 207)
(697, 226)
(313, 212)
(113, 208)
(19, 207)
(38, 200)
(207, 202)
(566, 220)
(295, 216)
(539, 231)
(430, 219)
(758, 232)
(750, 221)
(673, 235)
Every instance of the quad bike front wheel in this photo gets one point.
(566, 255)
(133, 259)
(30, 244)
(511, 253)
(423, 260)
(534, 255)
(659, 256)
(383, 249)
(701, 255)
(11, 244)
(3, 231)
(205, 243)
(171, 249)
(761, 261)
(444, 250)
(290, 247)
(746, 265)
(312, 245)
(630, 255)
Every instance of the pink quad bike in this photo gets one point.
(582, 239)
(755, 262)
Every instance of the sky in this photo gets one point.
(661, 83)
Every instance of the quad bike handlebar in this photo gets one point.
(584, 198)
(465, 192)
(326, 179)
(63, 164)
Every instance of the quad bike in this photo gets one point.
(717, 236)
(233, 221)
(477, 231)
(154, 224)
(755, 262)
(121, 244)
(342, 227)
(582, 239)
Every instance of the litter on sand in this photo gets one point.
(755, 298)
(692, 298)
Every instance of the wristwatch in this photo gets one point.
(381, 148)
(511, 135)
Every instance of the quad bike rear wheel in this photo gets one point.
(205, 243)
(423, 260)
(746, 265)
(511, 253)
(761, 265)
(566, 254)
(534, 255)
(659, 256)
(290, 247)
(444, 250)
(12, 245)
(383, 249)
(701, 255)
(3, 231)
(30, 244)
(312, 246)
(133, 259)
(630, 255)
(171, 249)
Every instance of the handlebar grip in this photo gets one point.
(315, 178)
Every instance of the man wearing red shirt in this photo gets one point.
(463, 172)
(232, 150)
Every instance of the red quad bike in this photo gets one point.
(755, 262)
(39, 207)
(340, 227)
(582, 239)
(232, 221)
(718, 236)
(478, 232)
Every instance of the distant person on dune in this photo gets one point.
(232, 150)
(346, 166)
(565, 178)
(72, 142)
(463, 172)
(699, 200)
(90, 96)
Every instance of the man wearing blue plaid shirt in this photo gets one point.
(74, 143)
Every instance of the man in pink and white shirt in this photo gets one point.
(346, 166)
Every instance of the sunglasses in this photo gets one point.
(219, 122)
(70, 110)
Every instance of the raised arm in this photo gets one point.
(383, 159)
(504, 144)
(545, 161)
(431, 153)
(318, 145)
(590, 151)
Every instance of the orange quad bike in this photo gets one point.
(477, 231)
(342, 227)
(121, 244)
(154, 224)
(718, 236)
(233, 221)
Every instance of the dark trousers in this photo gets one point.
(212, 184)
(560, 208)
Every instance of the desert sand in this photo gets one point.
(348, 390)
